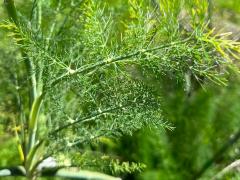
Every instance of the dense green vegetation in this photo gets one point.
(137, 89)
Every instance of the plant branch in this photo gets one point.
(104, 62)
(77, 142)
(86, 119)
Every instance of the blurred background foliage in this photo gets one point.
(205, 119)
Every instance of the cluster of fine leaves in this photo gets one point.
(95, 69)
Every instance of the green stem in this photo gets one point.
(53, 26)
(33, 121)
(86, 119)
(104, 62)
(40, 63)
(12, 13)
(34, 101)
(39, 14)
(210, 9)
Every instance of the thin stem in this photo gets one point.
(40, 63)
(86, 119)
(19, 143)
(33, 120)
(53, 26)
(21, 116)
(157, 7)
(39, 14)
(104, 62)
(77, 142)
(210, 9)
(32, 10)
(12, 13)
(31, 74)
(67, 16)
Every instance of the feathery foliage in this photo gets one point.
(80, 73)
